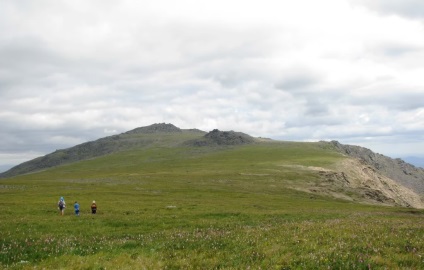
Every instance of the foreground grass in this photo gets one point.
(176, 208)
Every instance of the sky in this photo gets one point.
(73, 71)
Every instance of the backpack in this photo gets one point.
(61, 204)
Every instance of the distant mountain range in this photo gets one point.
(4, 168)
(416, 161)
(374, 177)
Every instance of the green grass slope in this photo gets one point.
(183, 207)
(139, 138)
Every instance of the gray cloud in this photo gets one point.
(406, 8)
(396, 50)
(300, 81)
(394, 98)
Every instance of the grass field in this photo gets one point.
(200, 208)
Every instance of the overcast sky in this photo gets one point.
(306, 70)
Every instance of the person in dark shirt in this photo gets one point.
(61, 205)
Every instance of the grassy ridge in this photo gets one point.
(182, 207)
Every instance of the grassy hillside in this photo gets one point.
(139, 138)
(182, 207)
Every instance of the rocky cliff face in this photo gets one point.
(353, 179)
(369, 184)
(396, 169)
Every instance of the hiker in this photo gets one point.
(61, 205)
(76, 207)
(93, 207)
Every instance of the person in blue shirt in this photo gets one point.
(77, 209)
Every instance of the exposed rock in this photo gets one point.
(229, 137)
(217, 137)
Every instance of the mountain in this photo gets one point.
(138, 138)
(326, 169)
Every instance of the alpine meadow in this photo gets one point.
(170, 198)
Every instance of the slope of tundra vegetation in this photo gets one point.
(187, 207)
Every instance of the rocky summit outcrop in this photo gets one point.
(222, 138)
(229, 137)
(396, 169)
